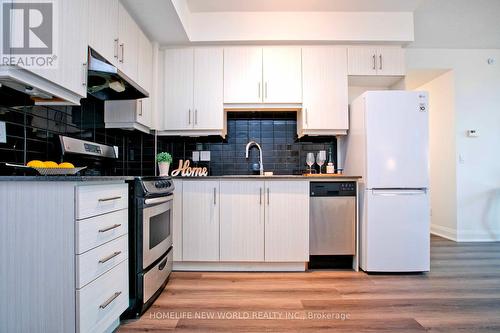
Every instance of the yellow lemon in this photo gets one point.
(51, 164)
(36, 164)
(66, 165)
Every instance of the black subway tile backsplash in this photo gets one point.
(276, 132)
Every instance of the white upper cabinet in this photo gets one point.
(178, 111)
(208, 88)
(103, 28)
(145, 80)
(325, 96)
(376, 61)
(193, 89)
(128, 43)
(262, 75)
(242, 221)
(243, 75)
(70, 72)
(287, 221)
(391, 61)
(282, 75)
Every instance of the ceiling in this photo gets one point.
(302, 5)
(472, 24)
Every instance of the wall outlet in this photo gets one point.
(3, 132)
(205, 156)
(196, 156)
(472, 133)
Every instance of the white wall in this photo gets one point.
(477, 106)
(442, 152)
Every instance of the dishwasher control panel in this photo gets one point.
(333, 189)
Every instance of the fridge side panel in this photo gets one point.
(397, 139)
(355, 142)
(397, 226)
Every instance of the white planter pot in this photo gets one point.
(163, 167)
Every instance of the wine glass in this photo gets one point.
(310, 161)
(320, 159)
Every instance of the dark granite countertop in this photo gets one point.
(65, 178)
(294, 177)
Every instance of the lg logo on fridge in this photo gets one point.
(29, 33)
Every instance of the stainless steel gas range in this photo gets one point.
(150, 240)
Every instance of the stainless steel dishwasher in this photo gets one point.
(332, 219)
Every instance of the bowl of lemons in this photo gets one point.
(48, 168)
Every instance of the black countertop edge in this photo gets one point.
(65, 178)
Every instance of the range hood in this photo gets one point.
(106, 82)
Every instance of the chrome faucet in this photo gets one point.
(251, 143)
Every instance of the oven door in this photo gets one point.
(157, 228)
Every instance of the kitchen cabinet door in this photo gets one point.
(178, 87)
(200, 220)
(128, 36)
(177, 222)
(242, 221)
(103, 28)
(287, 221)
(325, 97)
(145, 79)
(243, 75)
(72, 54)
(362, 60)
(391, 61)
(282, 74)
(208, 88)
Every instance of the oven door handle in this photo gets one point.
(163, 264)
(154, 201)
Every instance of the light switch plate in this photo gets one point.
(205, 155)
(196, 156)
(3, 132)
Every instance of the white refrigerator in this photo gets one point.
(388, 145)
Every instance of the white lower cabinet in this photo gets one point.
(177, 223)
(287, 221)
(242, 221)
(260, 221)
(200, 220)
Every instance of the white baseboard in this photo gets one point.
(479, 236)
(240, 266)
(445, 232)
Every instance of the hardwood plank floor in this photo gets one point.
(460, 294)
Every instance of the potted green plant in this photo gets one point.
(164, 159)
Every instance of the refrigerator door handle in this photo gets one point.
(394, 192)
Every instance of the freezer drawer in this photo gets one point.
(332, 226)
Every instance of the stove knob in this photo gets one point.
(157, 184)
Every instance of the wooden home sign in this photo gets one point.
(184, 170)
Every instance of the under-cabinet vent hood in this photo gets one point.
(106, 82)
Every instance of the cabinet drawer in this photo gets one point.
(103, 301)
(97, 230)
(94, 200)
(95, 262)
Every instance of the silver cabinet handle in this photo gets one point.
(111, 256)
(215, 196)
(260, 196)
(189, 116)
(268, 196)
(122, 48)
(110, 300)
(109, 199)
(140, 109)
(374, 60)
(380, 64)
(116, 48)
(195, 116)
(307, 116)
(259, 89)
(84, 69)
(111, 227)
